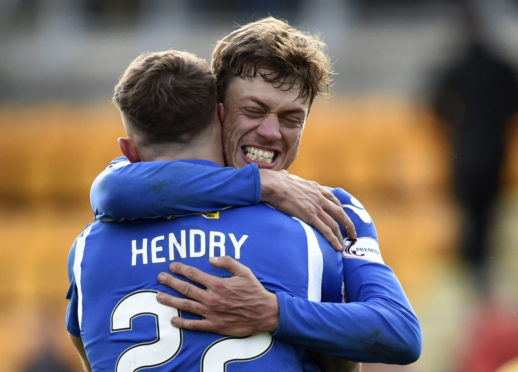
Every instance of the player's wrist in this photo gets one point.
(267, 184)
(271, 319)
(274, 189)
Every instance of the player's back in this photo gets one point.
(116, 265)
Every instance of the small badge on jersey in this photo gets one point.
(363, 248)
(211, 215)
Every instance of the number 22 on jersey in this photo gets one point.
(169, 339)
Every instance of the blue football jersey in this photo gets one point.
(205, 187)
(377, 324)
(113, 269)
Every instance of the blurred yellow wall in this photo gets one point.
(389, 154)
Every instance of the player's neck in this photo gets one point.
(202, 153)
(205, 146)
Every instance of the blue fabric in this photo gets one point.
(114, 279)
(377, 324)
(120, 190)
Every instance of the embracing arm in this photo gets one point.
(377, 325)
(127, 190)
(380, 326)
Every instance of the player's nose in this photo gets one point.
(270, 127)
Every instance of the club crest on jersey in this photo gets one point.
(363, 248)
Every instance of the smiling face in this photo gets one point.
(262, 124)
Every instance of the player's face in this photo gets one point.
(262, 124)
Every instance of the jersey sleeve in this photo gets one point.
(377, 330)
(127, 190)
(72, 320)
(377, 324)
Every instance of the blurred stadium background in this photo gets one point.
(375, 136)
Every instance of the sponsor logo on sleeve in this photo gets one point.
(364, 248)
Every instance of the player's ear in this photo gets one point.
(129, 149)
(221, 113)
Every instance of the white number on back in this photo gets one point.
(169, 338)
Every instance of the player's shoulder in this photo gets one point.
(86, 231)
(261, 212)
(366, 246)
(265, 218)
(80, 241)
(118, 162)
(353, 207)
(345, 196)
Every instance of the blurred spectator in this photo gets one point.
(243, 11)
(493, 342)
(43, 351)
(475, 98)
(47, 361)
(101, 13)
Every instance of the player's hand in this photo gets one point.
(235, 306)
(309, 202)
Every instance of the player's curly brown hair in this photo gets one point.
(279, 53)
(167, 96)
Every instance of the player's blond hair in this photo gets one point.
(280, 54)
(167, 96)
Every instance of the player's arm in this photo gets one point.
(127, 190)
(378, 325)
(380, 328)
(78, 344)
(376, 299)
(161, 189)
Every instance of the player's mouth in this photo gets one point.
(257, 155)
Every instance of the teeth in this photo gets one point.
(262, 156)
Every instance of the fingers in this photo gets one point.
(310, 202)
(336, 211)
(229, 264)
(327, 233)
(338, 214)
(190, 306)
(350, 230)
(183, 304)
(194, 324)
(192, 274)
(330, 196)
(181, 286)
(329, 229)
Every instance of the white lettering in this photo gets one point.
(237, 244)
(192, 243)
(136, 251)
(216, 240)
(181, 247)
(155, 248)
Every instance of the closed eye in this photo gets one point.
(292, 120)
(253, 112)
